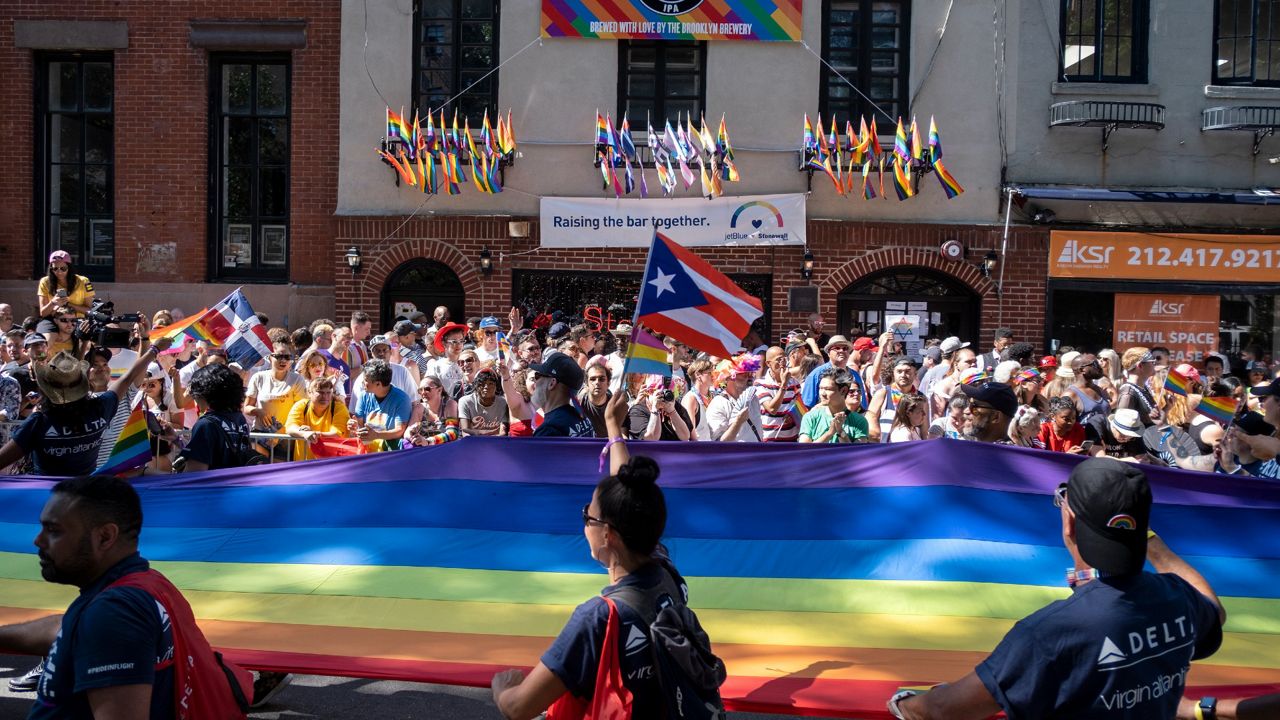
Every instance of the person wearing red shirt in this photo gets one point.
(1061, 432)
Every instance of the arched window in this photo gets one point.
(944, 305)
(422, 284)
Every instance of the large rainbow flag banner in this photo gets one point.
(827, 577)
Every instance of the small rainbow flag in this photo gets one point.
(602, 131)
(950, 185)
(808, 142)
(875, 138)
(504, 346)
(133, 446)
(868, 189)
(900, 149)
(1176, 383)
(646, 355)
(173, 330)
(917, 149)
(1218, 409)
(935, 142)
(901, 181)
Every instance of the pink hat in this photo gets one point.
(60, 255)
(1188, 371)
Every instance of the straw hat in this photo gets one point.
(62, 379)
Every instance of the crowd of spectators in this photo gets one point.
(333, 388)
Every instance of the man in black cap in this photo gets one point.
(992, 405)
(1121, 646)
(555, 380)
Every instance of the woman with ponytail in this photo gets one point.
(623, 524)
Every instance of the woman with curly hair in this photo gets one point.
(220, 437)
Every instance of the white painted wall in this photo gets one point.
(765, 89)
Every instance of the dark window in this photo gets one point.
(1248, 42)
(74, 173)
(660, 80)
(455, 44)
(249, 163)
(866, 41)
(1104, 41)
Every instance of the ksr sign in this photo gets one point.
(1146, 256)
(1186, 324)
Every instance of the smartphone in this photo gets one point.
(1086, 446)
(62, 292)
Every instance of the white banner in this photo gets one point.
(692, 222)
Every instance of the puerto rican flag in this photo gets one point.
(232, 324)
(684, 297)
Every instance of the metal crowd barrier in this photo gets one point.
(281, 451)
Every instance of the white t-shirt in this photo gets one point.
(722, 408)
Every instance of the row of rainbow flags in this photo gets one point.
(678, 147)
(411, 146)
(824, 152)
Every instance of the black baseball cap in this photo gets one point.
(1112, 504)
(998, 395)
(1273, 388)
(1251, 423)
(561, 367)
(407, 327)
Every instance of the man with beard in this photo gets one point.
(111, 655)
(991, 406)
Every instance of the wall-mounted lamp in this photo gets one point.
(486, 262)
(806, 266)
(353, 259)
(989, 263)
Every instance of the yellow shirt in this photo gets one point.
(83, 295)
(330, 420)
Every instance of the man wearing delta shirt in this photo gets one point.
(1121, 646)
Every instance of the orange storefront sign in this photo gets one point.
(1186, 324)
(1159, 256)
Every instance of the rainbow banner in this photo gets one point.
(753, 20)
(827, 577)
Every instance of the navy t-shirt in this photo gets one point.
(1119, 647)
(108, 638)
(68, 448)
(565, 421)
(574, 657)
(219, 440)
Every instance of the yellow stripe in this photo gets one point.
(851, 630)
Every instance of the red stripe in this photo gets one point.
(703, 268)
(687, 335)
(792, 694)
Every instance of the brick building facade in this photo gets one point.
(160, 201)
(844, 252)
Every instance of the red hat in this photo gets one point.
(1188, 371)
(1048, 361)
(448, 328)
(864, 343)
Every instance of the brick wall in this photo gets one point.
(843, 251)
(161, 133)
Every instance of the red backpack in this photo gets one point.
(205, 686)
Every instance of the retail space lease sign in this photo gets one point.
(1164, 256)
(692, 222)
(758, 20)
(1186, 324)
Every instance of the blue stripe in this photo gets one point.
(940, 560)
(819, 514)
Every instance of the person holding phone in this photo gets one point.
(61, 290)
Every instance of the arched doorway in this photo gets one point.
(422, 284)
(945, 305)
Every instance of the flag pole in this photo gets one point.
(635, 317)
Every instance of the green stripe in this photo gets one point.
(929, 599)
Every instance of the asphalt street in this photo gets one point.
(311, 696)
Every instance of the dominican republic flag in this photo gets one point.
(232, 324)
(684, 297)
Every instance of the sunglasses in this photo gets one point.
(63, 320)
(455, 342)
(467, 361)
(1060, 495)
(427, 389)
(60, 268)
(587, 519)
(282, 357)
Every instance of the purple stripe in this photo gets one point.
(730, 465)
